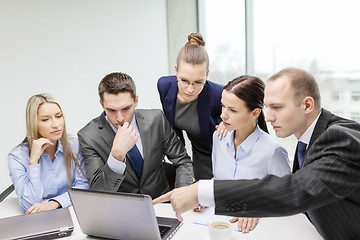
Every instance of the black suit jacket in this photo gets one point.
(158, 139)
(326, 187)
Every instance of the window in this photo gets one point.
(355, 96)
(223, 27)
(336, 96)
(292, 33)
(320, 37)
(355, 116)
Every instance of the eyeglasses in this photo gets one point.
(186, 83)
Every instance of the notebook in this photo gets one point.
(120, 215)
(43, 225)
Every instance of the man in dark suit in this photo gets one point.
(123, 148)
(326, 179)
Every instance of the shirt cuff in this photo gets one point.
(116, 165)
(206, 193)
(63, 200)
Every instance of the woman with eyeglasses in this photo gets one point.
(192, 103)
(47, 161)
(247, 151)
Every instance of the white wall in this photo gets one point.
(65, 47)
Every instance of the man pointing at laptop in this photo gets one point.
(326, 178)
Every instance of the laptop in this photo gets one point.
(43, 225)
(120, 215)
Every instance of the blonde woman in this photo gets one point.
(47, 162)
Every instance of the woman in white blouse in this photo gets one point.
(47, 162)
(247, 151)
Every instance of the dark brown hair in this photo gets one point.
(302, 83)
(193, 52)
(250, 89)
(115, 83)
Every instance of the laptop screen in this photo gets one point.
(118, 215)
(42, 225)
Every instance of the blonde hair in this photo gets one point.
(32, 133)
(193, 52)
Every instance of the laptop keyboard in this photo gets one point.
(164, 229)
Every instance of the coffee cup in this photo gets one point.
(220, 230)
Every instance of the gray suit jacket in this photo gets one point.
(326, 187)
(158, 139)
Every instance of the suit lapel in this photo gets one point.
(204, 113)
(320, 126)
(106, 131)
(170, 101)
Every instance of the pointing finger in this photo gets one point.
(162, 198)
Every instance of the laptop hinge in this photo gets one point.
(63, 229)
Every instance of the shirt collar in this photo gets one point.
(60, 147)
(247, 144)
(229, 139)
(306, 136)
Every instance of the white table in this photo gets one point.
(292, 227)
